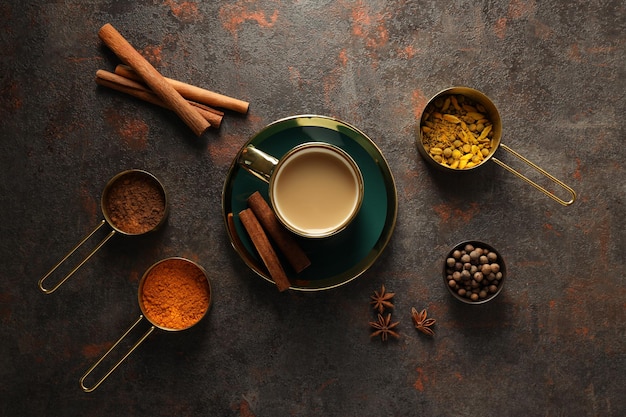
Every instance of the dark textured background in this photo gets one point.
(553, 344)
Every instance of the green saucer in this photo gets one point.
(338, 259)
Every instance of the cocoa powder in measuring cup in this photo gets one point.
(135, 203)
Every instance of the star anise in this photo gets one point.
(422, 323)
(381, 300)
(384, 327)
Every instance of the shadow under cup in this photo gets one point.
(316, 190)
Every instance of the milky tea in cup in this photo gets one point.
(316, 189)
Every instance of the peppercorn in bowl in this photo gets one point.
(474, 272)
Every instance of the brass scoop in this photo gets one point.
(119, 181)
(492, 111)
(158, 274)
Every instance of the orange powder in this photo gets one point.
(175, 294)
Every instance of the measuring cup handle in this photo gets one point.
(110, 371)
(54, 268)
(542, 171)
(257, 162)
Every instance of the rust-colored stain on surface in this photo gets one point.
(327, 384)
(592, 53)
(134, 132)
(598, 226)
(343, 58)
(578, 307)
(88, 203)
(186, 11)
(548, 227)
(10, 100)
(409, 52)
(153, 54)
(410, 176)
(234, 15)
(542, 31)
(224, 148)
(447, 212)
(332, 79)
(521, 8)
(597, 310)
(134, 276)
(371, 28)
(418, 102)
(295, 77)
(244, 409)
(574, 53)
(577, 173)
(421, 380)
(500, 27)
(94, 350)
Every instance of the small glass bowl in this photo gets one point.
(462, 287)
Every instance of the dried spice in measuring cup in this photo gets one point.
(457, 131)
(474, 272)
(133, 203)
(460, 130)
(174, 294)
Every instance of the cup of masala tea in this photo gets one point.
(174, 294)
(316, 188)
(134, 202)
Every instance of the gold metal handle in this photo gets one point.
(257, 162)
(54, 268)
(542, 171)
(110, 371)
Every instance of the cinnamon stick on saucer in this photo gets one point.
(264, 248)
(124, 50)
(230, 221)
(283, 239)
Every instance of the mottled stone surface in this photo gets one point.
(552, 344)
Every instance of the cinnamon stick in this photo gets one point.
(124, 85)
(264, 248)
(230, 220)
(194, 93)
(283, 239)
(124, 50)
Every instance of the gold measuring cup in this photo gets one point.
(161, 275)
(120, 180)
(492, 112)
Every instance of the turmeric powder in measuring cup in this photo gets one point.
(175, 294)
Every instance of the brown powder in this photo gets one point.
(135, 203)
(175, 294)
